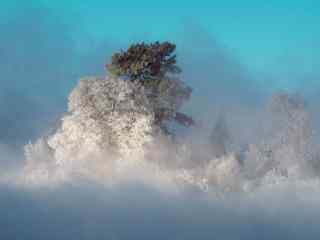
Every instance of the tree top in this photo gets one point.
(145, 61)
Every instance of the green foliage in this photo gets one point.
(153, 66)
(144, 61)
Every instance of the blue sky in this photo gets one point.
(259, 32)
(276, 39)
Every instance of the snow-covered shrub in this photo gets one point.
(105, 115)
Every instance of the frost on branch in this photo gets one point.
(108, 121)
(110, 115)
(289, 148)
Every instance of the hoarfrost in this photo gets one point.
(109, 133)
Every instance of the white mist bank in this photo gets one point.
(107, 172)
(108, 135)
(84, 210)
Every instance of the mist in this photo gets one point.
(86, 212)
(43, 54)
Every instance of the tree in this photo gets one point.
(154, 66)
(220, 137)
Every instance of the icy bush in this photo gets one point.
(109, 131)
(288, 150)
(107, 119)
(110, 115)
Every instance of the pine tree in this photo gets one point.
(154, 66)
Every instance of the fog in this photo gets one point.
(40, 64)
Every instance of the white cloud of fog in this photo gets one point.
(81, 209)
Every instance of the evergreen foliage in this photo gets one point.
(154, 66)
